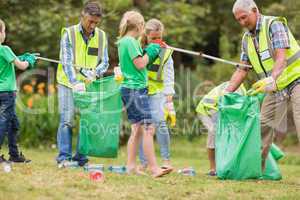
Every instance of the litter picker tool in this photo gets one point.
(195, 53)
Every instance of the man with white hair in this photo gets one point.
(274, 54)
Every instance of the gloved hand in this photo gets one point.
(152, 50)
(90, 75)
(79, 87)
(28, 57)
(264, 85)
(170, 114)
(161, 43)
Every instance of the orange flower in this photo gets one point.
(41, 85)
(30, 102)
(28, 89)
(51, 89)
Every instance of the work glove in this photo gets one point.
(170, 114)
(265, 85)
(118, 74)
(152, 50)
(89, 75)
(28, 57)
(161, 43)
(79, 87)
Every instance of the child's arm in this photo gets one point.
(141, 61)
(22, 65)
(151, 53)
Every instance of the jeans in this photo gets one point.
(64, 132)
(157, 103)
(9, 123)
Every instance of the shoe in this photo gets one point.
(19, 159)
(2, 159)
(212, 173)
(81, 163)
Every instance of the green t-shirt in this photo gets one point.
(128, 49)
(7, 69)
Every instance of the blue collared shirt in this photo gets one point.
(67, 56)
(278, 36)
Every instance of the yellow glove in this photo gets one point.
(264, 85)
(170, 114)
(118, 74)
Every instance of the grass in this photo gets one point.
(42, 180)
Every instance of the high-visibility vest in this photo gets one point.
(209, 103)
(263, 60)
(155, 72)
(84, 55)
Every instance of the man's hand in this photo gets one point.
(90, 75)
(264, 85)
(79, 87)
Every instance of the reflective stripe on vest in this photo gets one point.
(209, 103)
(84, 55)
(263, 60)
(155, 72)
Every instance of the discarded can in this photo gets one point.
(117, 169)
(97, 175)
(187, 171)
(93, 167)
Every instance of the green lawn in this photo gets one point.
(42, 180)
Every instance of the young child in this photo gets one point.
(160, 90)
(8, 120)
(207, 110)
(134, 90)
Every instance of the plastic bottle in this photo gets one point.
(69, 164)
(93, 167)
(117, 169)
(187, 171)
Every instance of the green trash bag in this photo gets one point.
(100, 109)
(272, 171)
(238, 138)
(276, 152)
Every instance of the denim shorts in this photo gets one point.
(136, 102)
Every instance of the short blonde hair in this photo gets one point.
(246, 5)
(2, 31)
(154, 25)
(130, 21)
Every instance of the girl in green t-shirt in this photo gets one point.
(9, 123)
(134, 90)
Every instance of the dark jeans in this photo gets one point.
(9, 123)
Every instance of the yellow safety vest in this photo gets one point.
(84, 55)
(209, 103)
(263, 60)
(155, 72)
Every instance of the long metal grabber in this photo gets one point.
(55, 61)
(77, 67)
(195, 53)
